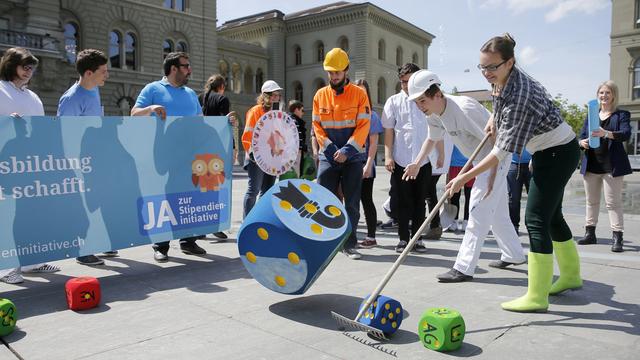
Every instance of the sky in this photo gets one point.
(564, 44)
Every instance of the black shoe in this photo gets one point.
(419, 247)
(390, 224)
(89, 260)
(499, 264)
(112, 253)
(453, 276)
(617, 242)
(192, 249)
(589, 236)
(159, 256)
(401, 246)
(220, 235)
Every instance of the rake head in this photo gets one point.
(344, 322)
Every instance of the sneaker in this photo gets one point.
(192, 249)
(44, 268)
(463, 225)
(367, 243)
(89, 260)
(13, 277)
(453, 227)
(352, 253)
(112, 253)
(499, 264)
(452, 276)
(434, 233)
(390, 224)
(220, 235)
(159, 256)
(401, 246)
(419, 247)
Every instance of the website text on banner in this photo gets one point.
(71, 186)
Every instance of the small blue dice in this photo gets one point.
(384, 314)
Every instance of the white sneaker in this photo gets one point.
(463, 226)
(13, 277)
(352, 254)
(43, 268)
(453, 227)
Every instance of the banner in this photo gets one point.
(593, 117)
(74, 186)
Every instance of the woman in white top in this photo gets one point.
(16, 69)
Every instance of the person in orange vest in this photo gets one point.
(341, 116)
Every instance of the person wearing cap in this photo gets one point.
(463, 118)
(259, 181)
(341, 116)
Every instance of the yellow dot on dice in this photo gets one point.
(293, 258)
(387, 306)
(394, 324)
(383, 321)
(285, 205)
(316, 228)
(87, 296)
(437, 343)
(263, 233)
(425, 325)
(397, 310)
(305, 188)
(280, 281)
(310, 208)
(390, 315)
(366, 315)
(375, 303)
(456, 333)
(334, 211)
(251, 257)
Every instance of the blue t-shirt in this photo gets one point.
(78, 101)
(457, 158)
(521, 158)
(177, 101)
(375, 127)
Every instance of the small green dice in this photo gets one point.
(8, 317)
(441, 329)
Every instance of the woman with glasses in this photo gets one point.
(606, 165)
(524, 115)
(259, 181)
(16, 70)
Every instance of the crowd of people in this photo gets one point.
(426, 133)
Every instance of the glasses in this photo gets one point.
(184, 65)
(28, 68)
(490, 68)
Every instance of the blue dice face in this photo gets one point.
(291, 235)
(384, 314)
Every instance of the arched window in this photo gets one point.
(130, 44)
(71, 41)
(182, 46)
(343, 43)
(636, 79)
(382, 91)
(298, 55)
(415, 59)
(167, 47)
(319, 83)
(298, 92)
(382, 48)
(399, 56)
(224, 71)
(248, 80)
(115, 39)
(259, 80)
(398, 87)
(320, 51)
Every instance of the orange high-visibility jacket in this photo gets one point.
(253, 115)
(341, 122)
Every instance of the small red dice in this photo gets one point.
(83, 293)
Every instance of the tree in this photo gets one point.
(573, 114)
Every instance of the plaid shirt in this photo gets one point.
(523, 110)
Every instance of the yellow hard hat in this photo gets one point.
(336, 60)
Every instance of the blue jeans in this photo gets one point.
(515, 182)
(349, 175)
(259, 182)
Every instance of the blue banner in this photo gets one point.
(593, 117)
(73, 186)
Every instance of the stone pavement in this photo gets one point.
(209, 307)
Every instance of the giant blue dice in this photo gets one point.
(385, 314)
(292, 234)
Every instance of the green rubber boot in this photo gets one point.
(569, 264)
(537, 297)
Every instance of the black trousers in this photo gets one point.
(410, 196)
(163, 246)
(370, 213)
(455, 200)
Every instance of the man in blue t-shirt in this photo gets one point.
(170, 97)
(83, 99)
(518, 176)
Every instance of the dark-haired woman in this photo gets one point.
(524, 115)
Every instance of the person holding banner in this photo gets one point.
(341, 115)
(171, 97)
(16, 69)
(259, 181)
(524, 115)
(606, 165)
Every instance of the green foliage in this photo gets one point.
(573, 114)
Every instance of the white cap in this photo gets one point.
(420, 81)
(270, 86)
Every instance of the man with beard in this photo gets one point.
(171, 97)
(341, 117)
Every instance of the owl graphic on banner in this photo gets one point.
(207, 172)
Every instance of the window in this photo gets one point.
(259, 80)
(399, 56)
(179, 5)
(636, 80)
(320, 51)
(381, 50)
(637, 14)
(298, 92)
(4, 24)
(382, 91)
(130, 51)
(343, 43)
(115, 39)
(167, 47)
(415, 59)
(71, 41)
(298, 55)
(248, 80)
(236, 83)
(182, 46)
(224, 71)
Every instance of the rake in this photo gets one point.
(344, 322)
